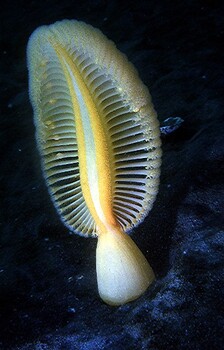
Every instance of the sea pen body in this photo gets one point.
(98, 137)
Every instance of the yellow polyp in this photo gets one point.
(43, 63)
(59, 155)
(52, 101)
(123, 273)
(49, 85)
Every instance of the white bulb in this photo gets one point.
(123, 273)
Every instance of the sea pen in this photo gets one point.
(98, 137)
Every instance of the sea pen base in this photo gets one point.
(123, 273)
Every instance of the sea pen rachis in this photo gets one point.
(98, 138)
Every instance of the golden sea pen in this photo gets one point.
(98, 137)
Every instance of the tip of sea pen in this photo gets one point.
(123, 273)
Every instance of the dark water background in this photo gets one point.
(48, 292)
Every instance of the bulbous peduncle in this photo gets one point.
(123, 273)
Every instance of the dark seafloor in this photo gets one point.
(48, 292)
